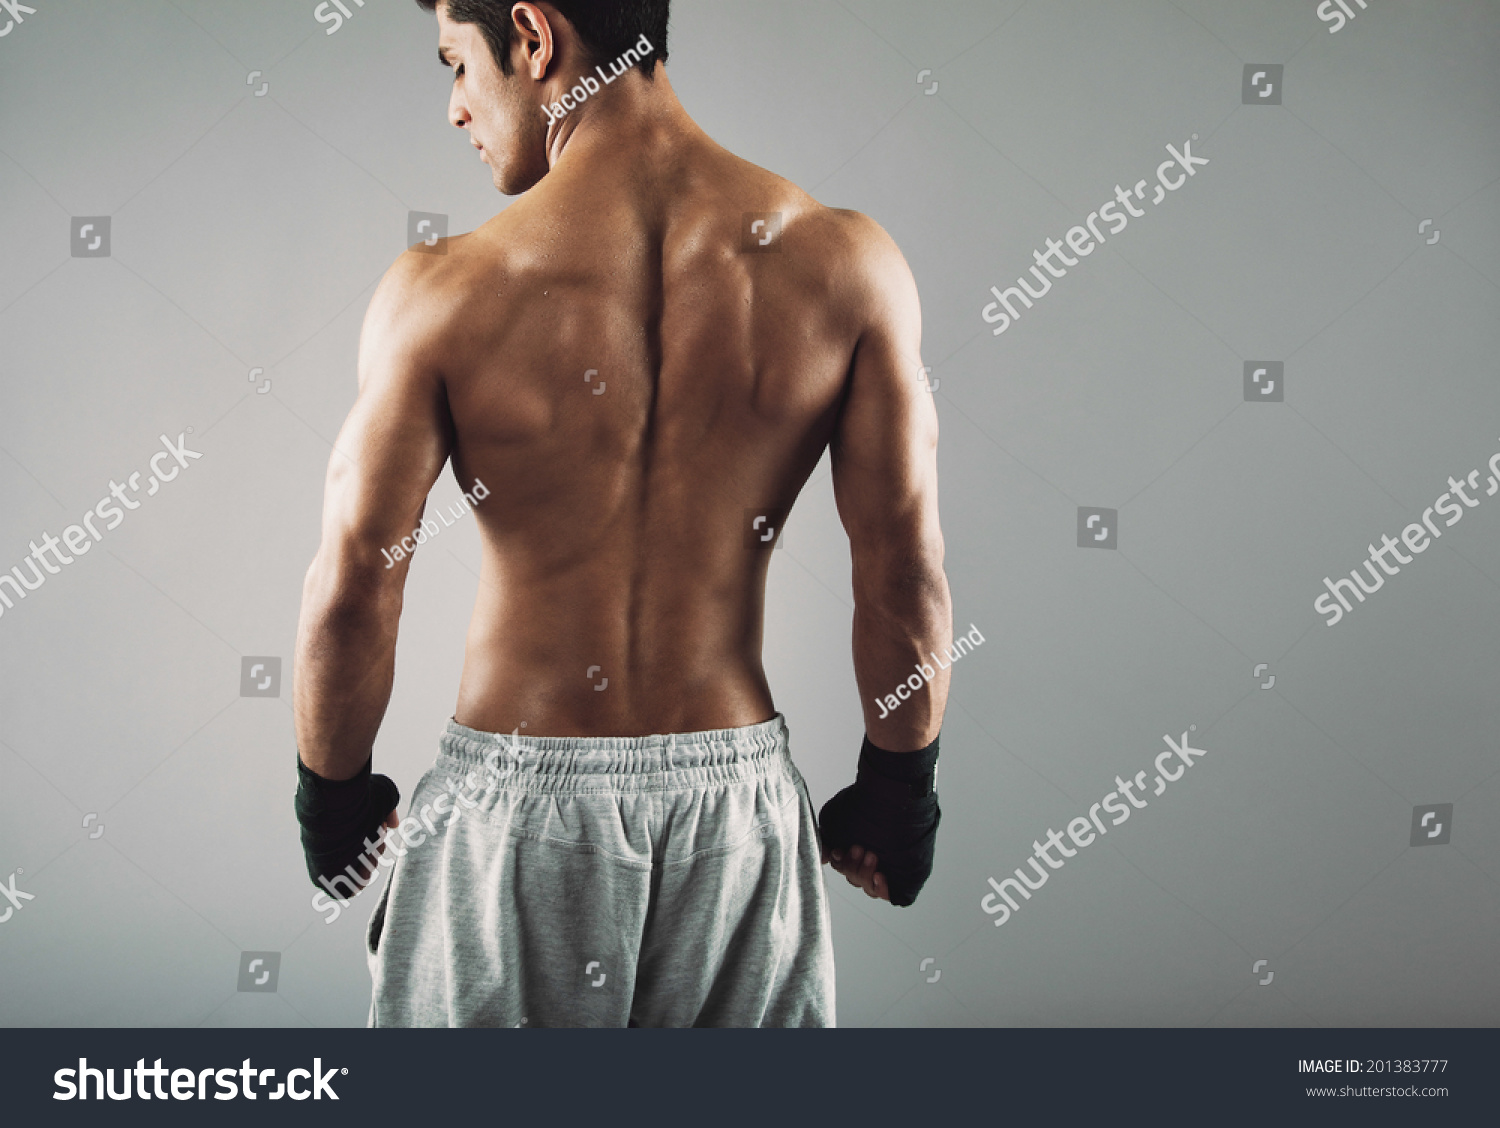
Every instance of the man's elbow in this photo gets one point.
(352, 573)
(912, 583)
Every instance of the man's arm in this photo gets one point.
(885, 483)
(388, 455)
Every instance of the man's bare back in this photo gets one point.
(617, 530)
(615, 535)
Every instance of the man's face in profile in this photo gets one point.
(501, 112)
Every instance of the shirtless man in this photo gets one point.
(643, 377)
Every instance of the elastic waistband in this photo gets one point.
(616, 763)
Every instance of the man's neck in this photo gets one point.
(636, 112)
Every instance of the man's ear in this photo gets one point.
(534, 39)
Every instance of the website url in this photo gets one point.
(1372, 1091)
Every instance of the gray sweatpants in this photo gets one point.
(606, 881)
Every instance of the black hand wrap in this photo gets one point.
(891, 810)
(338, 815)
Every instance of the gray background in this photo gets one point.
(250, 232)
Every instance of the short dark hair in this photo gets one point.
(607, 28)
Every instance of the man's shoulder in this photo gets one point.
(838, 242)
(842, 258)
(839, 232)
(447, 277)
(426, 289)
(863, 265)
(864, 244)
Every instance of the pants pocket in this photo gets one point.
(376, 926)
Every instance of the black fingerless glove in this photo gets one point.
(891, 810)
(338, 815)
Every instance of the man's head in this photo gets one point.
(509, 58)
